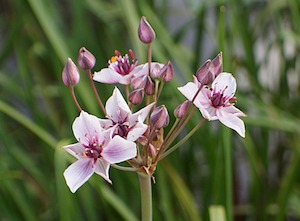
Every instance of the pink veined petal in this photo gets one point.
(142, 69)
(105, 123)
(189, 91)
(233, 110)
(102, 168)
(107, 76)
(126, 79)
(78, 173)
(119, 150)
(232, 121)
(116, 106)
(209, 113)
(225, 80)
(85, 127)
(142, 114)
(76, 150)
(137, 130)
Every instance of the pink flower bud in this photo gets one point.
(203, 74)
(217, 65)
(139, 82)
(86, 59)
(168, 74)
(182, 109)
(136, 96)
(156, 72)
(145, 31)
(150, 86)
(70, 74)
(159, 118)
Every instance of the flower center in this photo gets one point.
(94, 149)
(123, 64)
(218, 99)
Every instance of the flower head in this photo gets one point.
(120, 69)
(96, 150)
(127, 125)
(217, 101)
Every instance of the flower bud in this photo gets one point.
(168, 73)
(182, 109)
(156, 72)
(139, 82)
(136, 96)
(217, 65)
(86, 59)
(204, 75)
(70, 74)
(150, 86)
(145, 31)
(159, 118)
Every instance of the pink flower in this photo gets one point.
(217, 101)
(120, 69)
(95, 151)
(127, 125)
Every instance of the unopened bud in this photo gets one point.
(86, 59)
(159, 118)
(168, 73)
(203, 74)
(150, 86)
(217, 65)
(145, 31)
(70, 74)
(155, 73)
(136, 96)
(182, 109)
(139, 82)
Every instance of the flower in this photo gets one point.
(70, 74)
(120, 69)
(145, 31)
(217, 101)
(127, 125)
(96, 150)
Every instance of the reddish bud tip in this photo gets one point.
(159, 118)
(145, 31)
(169, 72)
(70, 74)
(217, 65)
(86, 59)
(150, 86)
(204, 75)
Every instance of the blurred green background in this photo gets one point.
(256, 178)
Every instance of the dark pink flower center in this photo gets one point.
(94, 149)
(123, 64)
(218, 99)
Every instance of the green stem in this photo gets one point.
(146, 196)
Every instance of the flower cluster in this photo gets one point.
(138, 137)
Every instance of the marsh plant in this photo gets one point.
(133, 129)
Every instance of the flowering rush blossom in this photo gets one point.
(96, 150)
(127, 125)
(120, 69)
(217, 101)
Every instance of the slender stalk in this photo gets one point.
(96, 92)
(146, 196)
(74, 98)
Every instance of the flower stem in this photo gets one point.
(146, 196)
(75, 99)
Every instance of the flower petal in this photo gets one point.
(75, 150)
(119, 150)
(101, 168)
(231, 120)
(116, 107)
(78, 173)
(108, 76)
(85, 127)
(189, 91)
(137, 130)
(225, 80)
(142, 114)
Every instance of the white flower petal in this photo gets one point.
(85, 127)
(108, 76)
(119, 150)
(189, 91)
(116, 107)
(102, 168)
(225, 80)
(232, 121)
(137, 131)
(78, 173)
(142, 113)
(76, 150)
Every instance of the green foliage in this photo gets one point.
(259, 41)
